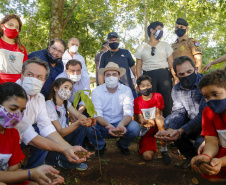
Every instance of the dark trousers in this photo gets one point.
(188, 144)
(162, 83)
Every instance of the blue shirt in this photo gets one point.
(54, 71)
(187, 108)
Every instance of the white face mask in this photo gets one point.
(64, 94)
(75, 78)
(32, 85)
(111, 82)
(73, 49)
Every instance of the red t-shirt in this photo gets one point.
(156, 101)
(11, 61)
(214, 125)
(10, 151)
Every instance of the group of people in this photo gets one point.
(170, 101)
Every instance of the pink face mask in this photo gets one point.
(9, 120)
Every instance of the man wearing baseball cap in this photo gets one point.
(122, 57)
(185, 46)
(113, 103)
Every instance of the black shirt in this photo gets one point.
(124, 59)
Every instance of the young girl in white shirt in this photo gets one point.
(58, 107)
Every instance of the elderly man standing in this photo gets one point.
(113, 103)
(72, 53)
(184, 124)
(185, 46)
(53, 56)
(122, 57)
(36, 120)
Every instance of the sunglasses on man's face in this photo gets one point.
(153, 51)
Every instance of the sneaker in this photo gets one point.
(124, 151)
(101, 151)
(82, 167)
(186, 164)
(88, 145)
(167, 159)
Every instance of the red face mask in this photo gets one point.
(10, 33)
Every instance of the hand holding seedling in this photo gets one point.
(41, 173)
(198, 163)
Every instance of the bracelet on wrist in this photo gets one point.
(179, 130)
(207, 156)
(29, 175)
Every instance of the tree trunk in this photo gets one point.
(145, 21)
(56, 20)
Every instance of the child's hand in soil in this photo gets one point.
(197, 163)
(69, 153)
(39, 175)
(213, 168)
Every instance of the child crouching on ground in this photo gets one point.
(212, 161)
(144, 106)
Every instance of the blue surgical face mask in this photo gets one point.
(217, 106)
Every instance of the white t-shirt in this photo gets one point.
(52, 113)
(159, 60)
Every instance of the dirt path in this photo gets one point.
(132, 170)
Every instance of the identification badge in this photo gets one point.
(196, 43)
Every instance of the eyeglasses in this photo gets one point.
(56, 50)
(153, 51)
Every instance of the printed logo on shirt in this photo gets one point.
(196, 43)
(12, 58)
(122, 55)
(182, 48)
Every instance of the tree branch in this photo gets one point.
(69, 14)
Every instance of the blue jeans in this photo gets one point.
(74, 138)
(133, 130)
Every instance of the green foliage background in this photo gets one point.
(92, 20)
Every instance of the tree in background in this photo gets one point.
(91, 21)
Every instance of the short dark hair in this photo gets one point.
(153, 25)
(73, 62)
(9, 90)
(60, 41)
(104, 44)
(142, 78)
(38, 61)
(181, 60)
(216, 78)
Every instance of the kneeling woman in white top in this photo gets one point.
(58, 107)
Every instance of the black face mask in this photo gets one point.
(114, 45)
(146, 91)
(217, 106)
(188, 81)
(180, 32)
(52, 59)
